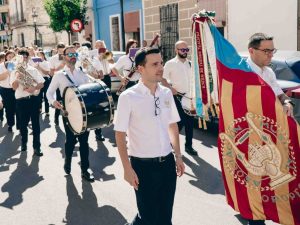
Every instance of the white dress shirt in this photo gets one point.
(60, 81)
(178, 74)
(124, 64)
(20, 93)
(147, 133)
(267, 74)
(55, 62)
(6, 82)
(106, 66)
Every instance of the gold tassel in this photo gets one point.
(212, 109)
(200, 122)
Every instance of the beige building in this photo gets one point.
(172, 19)
(29, 25)
(4, 21)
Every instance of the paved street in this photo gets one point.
(36, 191)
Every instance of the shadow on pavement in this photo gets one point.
(9, 150)
(202, 170)
(207, 137)
(59, 141)
(25, 176)
(99, 159)
(85, 209)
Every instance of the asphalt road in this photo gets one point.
(36, 191)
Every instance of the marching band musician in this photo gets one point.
(7, 92)
(126, 65)
(44, 68)
(177, 75)
(68, 77)
(56, 64)
(2, 59)
(27, 102)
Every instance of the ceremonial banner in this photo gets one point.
(258, 144)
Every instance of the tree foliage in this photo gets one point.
(62, 12)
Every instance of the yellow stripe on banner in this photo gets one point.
(228, 118)
(282, 203)
(254, 105)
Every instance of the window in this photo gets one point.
(115, 35)
(169, 30)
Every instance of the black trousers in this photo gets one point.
(1, 114)
(57, 111)
(107, 81)
(83, 147)
(28, 109)
(186, 121)
(43, 94)
(156, 191)
(9, 103)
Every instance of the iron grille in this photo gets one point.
(169, 30)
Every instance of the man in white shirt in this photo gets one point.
(56, 64)
(261, 49)
(28, 103)
(71, 76)
(177, 75)
(148, 115)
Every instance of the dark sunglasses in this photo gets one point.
(156, 104)
(72, 54)
(184, 49)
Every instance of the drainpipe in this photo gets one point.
(122, 24)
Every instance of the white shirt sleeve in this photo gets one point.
(97, 64)
(51, 92)
(122, 118)
(273, 83)
(120, 63)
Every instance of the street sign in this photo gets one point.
(76, 25)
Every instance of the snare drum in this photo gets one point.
(89, 106)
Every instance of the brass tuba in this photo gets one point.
(108, 55)
(84, 58)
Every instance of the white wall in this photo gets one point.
(277, 18)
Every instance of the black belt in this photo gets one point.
(155, 159)
(27, 97)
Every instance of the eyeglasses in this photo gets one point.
(72, 54)
(156, 103)
(267, 51)
(184, 49)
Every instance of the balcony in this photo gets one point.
(16, 20)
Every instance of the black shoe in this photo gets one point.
(87, 176)
(9, 129)
(67, 166)
(24, 147)
(100, 138)
(256, 222)
(47, 114)
(190, 150)
(38, 152)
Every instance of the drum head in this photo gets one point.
(74, 109)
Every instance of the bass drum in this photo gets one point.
(89, 106)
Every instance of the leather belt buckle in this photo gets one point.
(161, 159)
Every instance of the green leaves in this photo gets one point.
(62, 12)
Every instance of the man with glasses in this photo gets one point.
(71, 76)
(148, 115)
(177, 75)
(28, 102)
(261, 50)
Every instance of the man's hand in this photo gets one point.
(124, 81)
(1, 105)
(57, 105)
(288, 109)
(30, 90)
(131, 177)
(174, 92)
(179, 166)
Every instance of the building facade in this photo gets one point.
(113, 16)
(172, 20)
(4, 23)
(29, 25)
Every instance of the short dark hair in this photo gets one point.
(68, 47)
(23, 51)
(8, 53)
(60, 45)
(257, 38)
(87, 44)
(140, 57)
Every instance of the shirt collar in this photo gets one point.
(178, 60)
(255, 67)
(145, 90)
